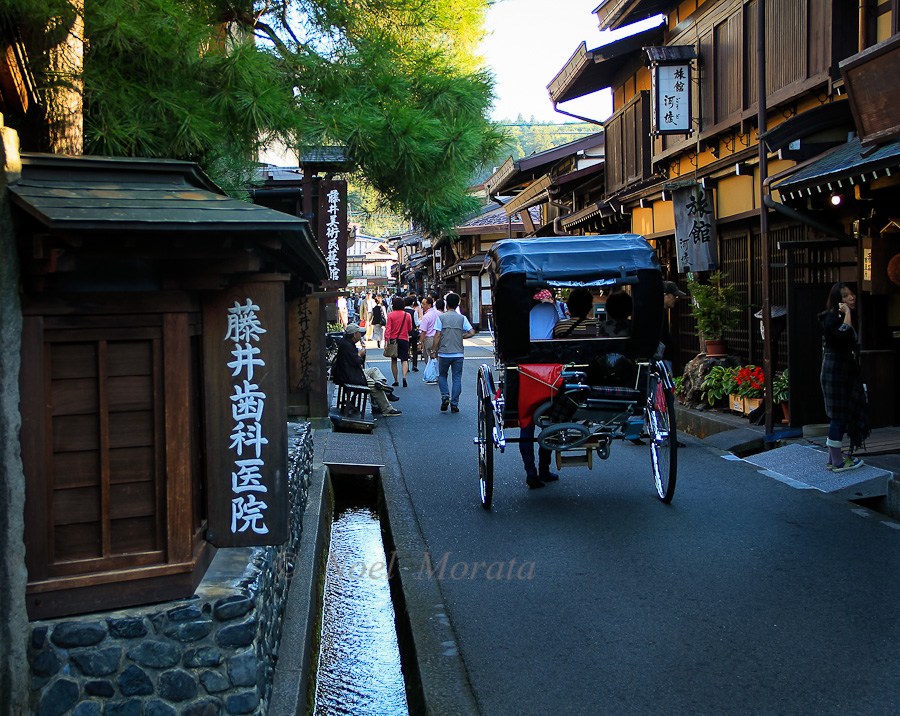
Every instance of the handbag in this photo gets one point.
(431, 371)
(390, 348)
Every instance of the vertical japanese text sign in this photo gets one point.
(672, 98)
(246, 430)
(332, 230)
(696, 243)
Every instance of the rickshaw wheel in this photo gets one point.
(663, 435)
(563, 436)
(485, 447)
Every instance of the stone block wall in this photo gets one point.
(211, 654)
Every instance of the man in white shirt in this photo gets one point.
(450, 330)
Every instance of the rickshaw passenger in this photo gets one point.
(582, 324)
(618, 309)
(543, 316)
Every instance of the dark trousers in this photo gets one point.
(526, 450)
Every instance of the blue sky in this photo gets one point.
(527, 43)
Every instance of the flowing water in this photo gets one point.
(359, 669)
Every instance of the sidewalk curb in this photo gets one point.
(445, 686)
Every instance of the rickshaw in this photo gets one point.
(581, 394)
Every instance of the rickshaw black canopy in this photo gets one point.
(517, 267)
(571, 260)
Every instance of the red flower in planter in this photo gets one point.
(751, 381)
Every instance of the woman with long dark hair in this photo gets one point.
(399, 325)
(842, 388)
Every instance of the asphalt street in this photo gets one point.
(744, 596)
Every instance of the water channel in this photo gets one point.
(359, 666)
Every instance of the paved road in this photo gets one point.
(742, 596)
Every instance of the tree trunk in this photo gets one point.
(64, 94)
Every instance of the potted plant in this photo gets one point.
(751, 384)
(718, 384)
(715, 309)
(781, 394)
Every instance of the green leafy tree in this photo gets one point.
(396, 82)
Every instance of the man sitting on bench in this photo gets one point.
(348, 370)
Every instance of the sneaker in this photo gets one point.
(850, 463)
(391, 413)
(445, 403)
(454, 408)
(548, 477)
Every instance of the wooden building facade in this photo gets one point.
(138, 280)
(805, 42)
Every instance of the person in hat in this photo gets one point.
(348, 370)
(543, 316)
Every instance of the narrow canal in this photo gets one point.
(359, 669)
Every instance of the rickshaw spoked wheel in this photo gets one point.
(485, 446)
(663, 434)
(563, 436)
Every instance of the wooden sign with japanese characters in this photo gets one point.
(332, 230)
(672, 98)
(246, 430)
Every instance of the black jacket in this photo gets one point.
(347, 368)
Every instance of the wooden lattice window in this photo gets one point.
(112, 451)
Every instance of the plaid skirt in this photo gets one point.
(845, 395)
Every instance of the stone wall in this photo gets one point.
(211, 654)
(13, 577)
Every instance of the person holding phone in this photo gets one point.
(842, 387)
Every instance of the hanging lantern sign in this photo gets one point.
(671, 76)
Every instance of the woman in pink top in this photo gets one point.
(399, 324)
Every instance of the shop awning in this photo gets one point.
(513, 173)
(534, 193)
(588, 71)
(472, 265)
(597, 210)
(841, 168)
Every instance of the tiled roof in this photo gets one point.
(497, 217)
(848, 162)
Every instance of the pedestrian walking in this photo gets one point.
(399, 325)
(450, 330)
(411, 306)
(370, 325)
(343, 315)
(842, 386)
(426, 328)
(379, 319)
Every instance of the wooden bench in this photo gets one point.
(351, 406)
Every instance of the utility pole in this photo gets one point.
(762, 123)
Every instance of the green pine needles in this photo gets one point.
(396, 82)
